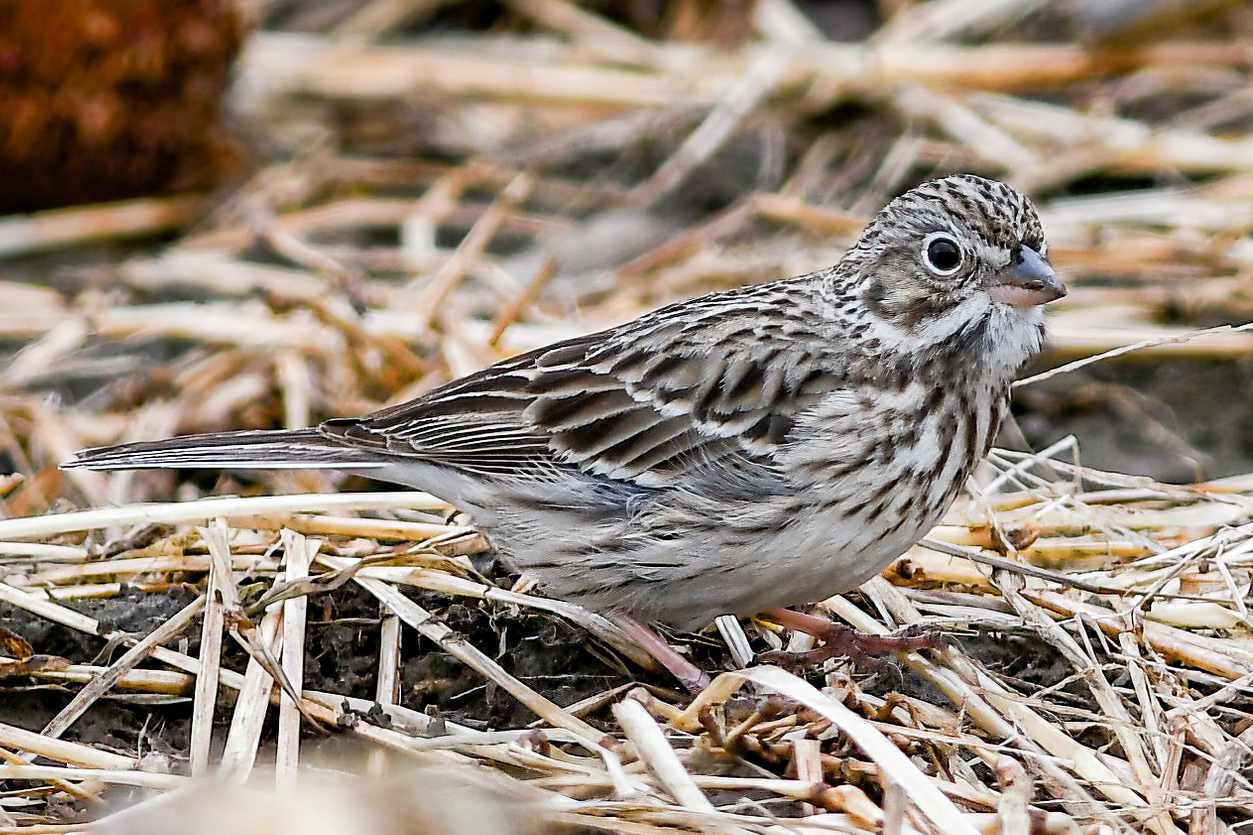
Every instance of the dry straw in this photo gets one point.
(442, 202)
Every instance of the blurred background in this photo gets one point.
(223, 214)
(230, 213)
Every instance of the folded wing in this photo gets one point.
(675, 391)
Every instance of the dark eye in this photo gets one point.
(942, 254)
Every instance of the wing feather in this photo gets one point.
(644, 403)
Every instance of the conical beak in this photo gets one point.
(1027, 281)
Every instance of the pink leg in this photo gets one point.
(840, 640)
(688, 674)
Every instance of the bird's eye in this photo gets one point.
(941, 254)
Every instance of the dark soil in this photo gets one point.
(1176, 421)
(341, 652)
(555, 658)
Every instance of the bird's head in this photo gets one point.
(951, 255)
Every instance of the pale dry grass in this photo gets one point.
(345, 277)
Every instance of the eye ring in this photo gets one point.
(941, 254)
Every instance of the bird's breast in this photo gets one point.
(884, 469)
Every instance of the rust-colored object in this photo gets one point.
(105, 99)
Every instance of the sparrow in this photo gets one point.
(736, 453)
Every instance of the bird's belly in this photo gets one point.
(795, 565)
(681, 566)
(824, 560)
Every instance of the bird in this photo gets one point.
(737, 453)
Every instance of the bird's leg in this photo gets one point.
(689, 675)
(842, 641)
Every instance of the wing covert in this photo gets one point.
(643, 403)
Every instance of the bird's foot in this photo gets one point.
(838, 641)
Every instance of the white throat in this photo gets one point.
(1013, 335)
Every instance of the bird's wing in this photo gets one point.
(696, 382)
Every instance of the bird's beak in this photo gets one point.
(1027, 281)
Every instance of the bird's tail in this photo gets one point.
(299, 449)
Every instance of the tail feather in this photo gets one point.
(300, 449)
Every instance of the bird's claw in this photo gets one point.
(863, 651)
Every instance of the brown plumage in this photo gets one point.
(758, 448)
